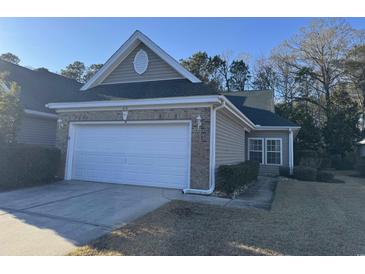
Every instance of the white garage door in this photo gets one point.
(155, 154)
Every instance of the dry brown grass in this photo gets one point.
(307, 218)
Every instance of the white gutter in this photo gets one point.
(212, 153)
(130, 103)
(234, 110)
(136, 102)
(40, 114)
(258, 127)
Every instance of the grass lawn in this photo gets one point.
(307, 218)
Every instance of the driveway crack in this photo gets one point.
(63, 199)
(55, 217)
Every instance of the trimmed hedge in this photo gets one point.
(27, 165)
(324, 176)
(232, 177)
(305, 173)
(360, 166)
(284, 171)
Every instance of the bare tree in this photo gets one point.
(318, 51)
(355, 69)
(264, 76)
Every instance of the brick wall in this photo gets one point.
(200, 141)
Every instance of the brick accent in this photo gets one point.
(200, 139)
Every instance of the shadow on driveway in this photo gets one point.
(54, 219)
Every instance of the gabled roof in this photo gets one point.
(136, 38)
(39, 87)
(259, 117)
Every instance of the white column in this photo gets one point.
(291, 151)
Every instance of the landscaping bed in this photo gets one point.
(233, 180)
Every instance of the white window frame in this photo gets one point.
(281, 151)
(262, 146)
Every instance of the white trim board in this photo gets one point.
(209, 99)
(153, 103)
(258, 127)
(40, 114)
(126, 49)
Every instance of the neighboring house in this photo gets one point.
(38, 87)
(146, 120)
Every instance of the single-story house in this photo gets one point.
(38, 87)
(146, 120)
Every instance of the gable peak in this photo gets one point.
(132, 42)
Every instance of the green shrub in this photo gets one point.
(232, 177)
(309, 158)
(27, 165)
(251, 170)
(305, 173)
(360, 166)
(227, 180)
(324, 176)
(284, 171)
(326, 162)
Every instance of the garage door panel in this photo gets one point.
(132, 146)
(138, 178)
(155, 155)
(140, 160)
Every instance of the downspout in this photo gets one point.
(212, 154)
(291, 151)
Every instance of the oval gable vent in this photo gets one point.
(140, 61)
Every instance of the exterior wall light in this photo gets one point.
(60, 123)
(125, 115)
(199, 122)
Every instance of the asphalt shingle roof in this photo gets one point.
(259, 116)
(151, 89)
(39, 87)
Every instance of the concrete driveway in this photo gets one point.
(54, 219)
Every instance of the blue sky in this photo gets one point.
(55, 42)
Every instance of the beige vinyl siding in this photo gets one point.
(157, 69)
(284, 135)
(230, 139)
(39, 131)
